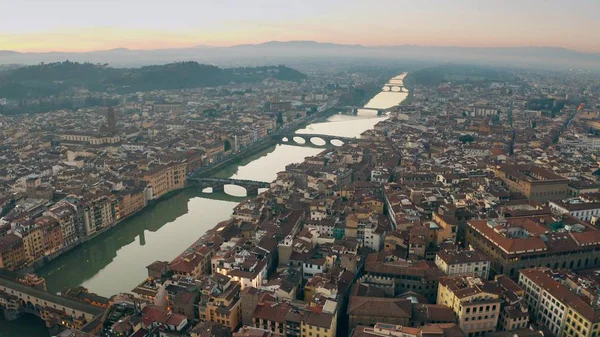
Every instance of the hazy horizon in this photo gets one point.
(93, 25)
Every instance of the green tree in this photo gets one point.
(466, 139)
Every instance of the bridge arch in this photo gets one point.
(336, 142)
(318, 141)
(299, 140)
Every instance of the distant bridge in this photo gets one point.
(308, 139)
(218, 184)
(26, 299)
(391, 87)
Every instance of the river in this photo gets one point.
(116, 260)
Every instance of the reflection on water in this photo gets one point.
(26, 326)
(116, 261)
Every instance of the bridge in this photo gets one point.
(21, 298)
(393, 87)
(308, 139)
(354, 109)
(218, 184)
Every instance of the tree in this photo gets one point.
(466, 139)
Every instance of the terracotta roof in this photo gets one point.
(379, 307)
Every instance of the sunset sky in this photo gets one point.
(83, 25)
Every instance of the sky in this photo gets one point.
(85, 25)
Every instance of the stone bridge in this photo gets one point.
(218, 184)
(392, 87)
(308, 139)
(25, 299)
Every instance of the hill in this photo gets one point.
(53, 79)
(296, 52)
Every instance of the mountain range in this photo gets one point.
(310, 51)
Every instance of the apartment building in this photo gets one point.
(65, 215)
(99, 213)
(220, 301)
(475, 301)
(12, 252)
(131, 202)
(565, 302)
(163, 179)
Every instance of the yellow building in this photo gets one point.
(165, 178)
(318, 324)
(447, 228)
(131, 202)
(222, 303)
(12, 252)
(33, 242)
(475, 301)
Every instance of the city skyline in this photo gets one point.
(93, 25)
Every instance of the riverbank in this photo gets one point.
(115, 261)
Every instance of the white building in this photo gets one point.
(581, 210)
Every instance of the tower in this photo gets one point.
(111, 121)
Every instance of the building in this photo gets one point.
(320, 321)
(32, 241)
(369, 311)
(130, 202)
(192, 264)
(12, 252)
(281, 318)
(168, 107)
(475, 301)
(454, 260)
(536, 241)
(165, 178)
(100, 213)
(534, 182)
(397, 276)
(220, 301)
(565, 302)
(586, 211)
(385, 329)
(89, 139)
(65, 215)
(111, 120)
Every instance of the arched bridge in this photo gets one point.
(21, 298)
(392, 87)
(218, 184)
(308, 138)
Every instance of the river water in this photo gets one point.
(116, 260)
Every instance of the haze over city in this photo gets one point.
(262, 168)
(88, 25)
